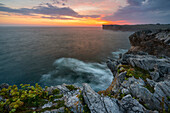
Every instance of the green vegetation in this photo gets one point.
(71, 87)
(67, 110)
(138, 73)
(56, 91)
(25, 97)
(121, 96)
(150, 88)
(134, 71)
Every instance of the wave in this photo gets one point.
(120, 51)
(74, 71)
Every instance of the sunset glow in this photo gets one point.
(29, 20)
(78, 13)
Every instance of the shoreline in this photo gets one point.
(141, 84)
(138, 27)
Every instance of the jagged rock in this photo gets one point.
(4, 85)
(162, 91)
(60, 110)
(48, 105)
(155, 75)
(125, 91)
(111, 105)
(112, 66)
(62, 88)
(140, 92)
(151, 82)
(121, 77)
(152, 100)
(72, 101)
(131, 105)
(154, 42)
(132, 80)
(148, 62)
(98, 104)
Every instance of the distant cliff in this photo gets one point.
(154, 42)
(136, 27)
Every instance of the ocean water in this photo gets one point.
(56, 55)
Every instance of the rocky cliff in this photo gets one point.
(136, 27)
(141, 82)
(154, 42)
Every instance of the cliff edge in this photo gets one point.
(154, 42)
(136, 27)
(141, 84)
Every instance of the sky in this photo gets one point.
(83, 12)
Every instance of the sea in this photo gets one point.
(57, 55)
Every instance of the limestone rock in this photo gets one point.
(148, 62)
(72, 101)
(112, 66)
(98, 104)
(154, 42)
(151, 82)
(121, 77)
(60, 110)
(4, 85)
(162, 91)
(131, 105)
(48, 105)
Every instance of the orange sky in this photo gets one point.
(84, 14)
(27, 20)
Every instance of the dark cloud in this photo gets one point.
(59, 2)
(135, 2)
(47, 9)
(143, 11)
(1, 4)
(53, 10)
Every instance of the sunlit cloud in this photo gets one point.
(85, 12)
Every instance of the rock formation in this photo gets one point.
(154, 42)
(136, 27)
(141, 81)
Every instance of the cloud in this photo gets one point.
(57, 17)
(135, 2)
(61, 2)
(1, 4)
(143, 11)
(47, 9)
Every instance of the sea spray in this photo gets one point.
(74, 71)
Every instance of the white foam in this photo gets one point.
(70, 70)
(120, 51)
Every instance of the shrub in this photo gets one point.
(23, 99)
(71, 87)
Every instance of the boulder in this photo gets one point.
(131, 105)
(97, 103)
(4, 85)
